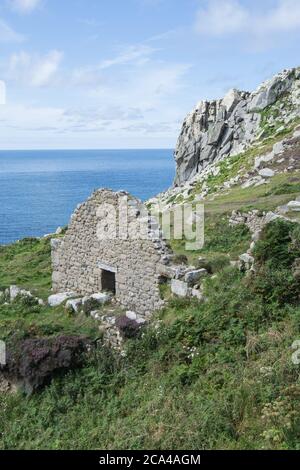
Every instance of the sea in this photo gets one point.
(39, 190)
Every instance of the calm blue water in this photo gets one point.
(39, 190)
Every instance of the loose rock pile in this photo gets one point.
(114, 327)
(256, 220)
(185, 281)
(14, 292)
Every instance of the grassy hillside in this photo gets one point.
(202, 376)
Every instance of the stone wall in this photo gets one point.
(79, 258)
(255, 220)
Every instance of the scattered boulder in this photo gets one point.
(246, 261)
(246, 258)
(294, 206)
(266, 172)
(92, 302)
(198, 294)
(255, 181)
(179, 288)
(14, 292)
(192, 277)
(57, 299)
(172, 272)
(263, 159)
(134, 316)
(131, 315)
(73, 305)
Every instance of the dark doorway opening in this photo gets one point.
(108, 281)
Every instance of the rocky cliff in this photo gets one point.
(220, 128)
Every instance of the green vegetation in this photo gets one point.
(165, 291)
(271, 121)
(221, 242)
(284, 188)
(243, 162)
(211, 375)
(27, 264)
(266, 197)
(202, 376)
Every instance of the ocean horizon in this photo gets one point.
(40, 189)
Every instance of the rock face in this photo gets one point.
(216, 129)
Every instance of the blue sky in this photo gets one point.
(124, 73)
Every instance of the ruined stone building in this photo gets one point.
(96, 254)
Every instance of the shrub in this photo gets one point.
(221, 237)
(295, 243)
(276, 286)
(217, 263)
(33, 362)
(27, 301)
(275, 245)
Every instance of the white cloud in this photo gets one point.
(132, 54)
(131, 109)
(2, 92)
(7, 34)
(35, 71)
(126, 98)
(146, 87)
(29, 117)
(27, 126)
(24, 6)
(221, 17)
(46, 68)
(285, 17)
